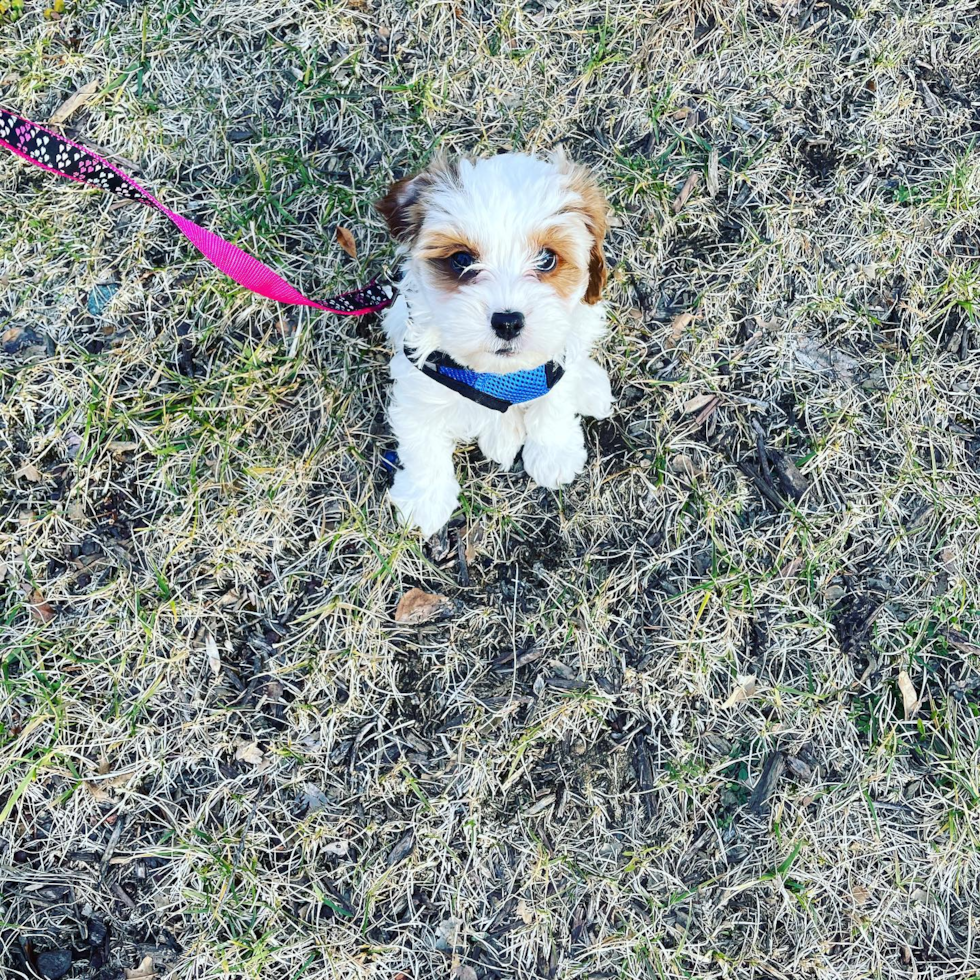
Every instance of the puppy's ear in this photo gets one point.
(596, 218)
(401, 207)
(594, 209)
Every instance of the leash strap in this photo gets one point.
(59, 155)
(496, 391)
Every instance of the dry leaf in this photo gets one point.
(30, 472)
(346, 241)
(214, 658)
(416, 606)
(73, 442)
(686, 190)
(683, 465)
(744, 689)
(41, 610)
(678, 325)
(910, 700)
(144, 971)
(472, 540)
(814, 356)
(698, 402)
(73, 102)
(249, 752)
(860, 894)
(713, 173)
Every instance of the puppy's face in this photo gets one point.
(501, 251)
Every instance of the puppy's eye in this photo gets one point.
(546, 260)
(461, 261)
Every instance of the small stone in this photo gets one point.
(97, 932)
(100, 296)
(54, 963)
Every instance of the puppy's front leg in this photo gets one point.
(554, 453)
(425, 489)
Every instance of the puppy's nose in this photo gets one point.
(507, 325)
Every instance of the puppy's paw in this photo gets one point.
(551, 465)
(595, 398)
(425, 505)
(502, 440)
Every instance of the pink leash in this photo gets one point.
(59, 155)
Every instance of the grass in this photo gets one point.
(215, 740)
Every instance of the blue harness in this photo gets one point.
(496, 391)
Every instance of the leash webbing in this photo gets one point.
(60, 155)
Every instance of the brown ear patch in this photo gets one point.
(595, 210)
(401, 209)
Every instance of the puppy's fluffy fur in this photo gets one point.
(514, 217)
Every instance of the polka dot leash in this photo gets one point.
(60, 155)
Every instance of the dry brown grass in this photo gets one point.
(701, 765)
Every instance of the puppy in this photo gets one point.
(497, 313)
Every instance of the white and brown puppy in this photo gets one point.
(503, 272)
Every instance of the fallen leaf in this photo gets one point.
(910, 700)
(541, 805)
(860, 894)
(798, 767)
(813, 356)
(698, 402)
(402, 849)
(744, 688)
(713, 173)
(416, 606)
(214, 658)
(791, 567)
(73, 102)
(30, 472)
(144, 971)
(686, 190)
(41, 610)
(472, 539)
(678, 325)
(249, 752)
(73, 442)
(97, 791)
(346, 241)
(447, 933)
(792, 481)
(683, 465)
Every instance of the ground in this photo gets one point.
(712, 711)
